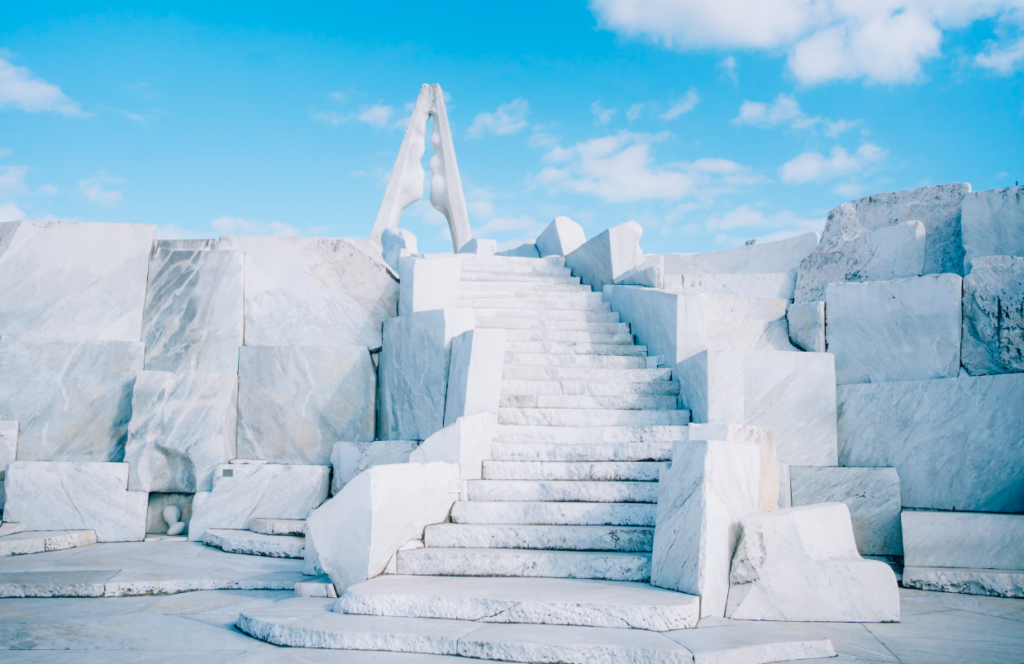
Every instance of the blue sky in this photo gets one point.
(708, 123)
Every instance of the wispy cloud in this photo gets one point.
(683, 105)
(816, 167)
(785, 111)
(10, 212)
(601, 115)
(20, 89)
(96, 191)
(1004, 59)
(508, 119)
(239, 226)
(728, 67)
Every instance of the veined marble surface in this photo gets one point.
(993, 224)
(993, 325)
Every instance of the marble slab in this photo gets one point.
(963, 539)
(474, 373)
(395, 243)
(72, 399)
(295, 402)
(560, 238)
(607, 256)
(761, 258)
(8, 451)
(993, 316)
(773, 285)
(807, 325)
(348, 458)
(992, 224)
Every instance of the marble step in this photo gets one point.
(587, 388)
(579, 315)
(255, 544)
(590, 434)
(588, 417)
(607, 565)
(573, 360)
(579, 349)
(517, 298)
(560, 538)
(497, 279)
(580, 602)
(581, 452)
(571, 285)
(471, 262)
(590, 471)
(514, 272)
(295, 527)
(561, 491)
(554, 514)
(514, 372)
(515, 322)
(566, 336)
(39, 541)
(623, 402)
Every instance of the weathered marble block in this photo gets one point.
(649, 274)
(428, 283)
(194, 312)
(474, 373)
(414, 372)
(963, 540)
(807, 325)
(561, 237)
(182, 427)
(74, 280)
(242, 492)
(993, 316)
(348, 459)
(801, 564)
(956, 443)
(314, 291)
(607, 256)
(769, 473)
(906, 329)
(71, 398)
(76, 496)
(992, 224)
(773, 285)
(781, 256)
(871, 494)
(710, 486)
(395, 243)
(295, 402)
(466, 442)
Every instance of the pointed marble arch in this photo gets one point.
(406, 184)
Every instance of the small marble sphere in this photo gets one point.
(172, 515)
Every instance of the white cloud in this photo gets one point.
(10, 212)
(541, 138)
(684, 104)
(94, 189)
(786, 111)
(634, 111)
(19, 89)
(508, 119)
(47, 190)
(4, 152)
(238, 226)
(728, 67)
(601, 115)
(1004, 59)
(816, 167)
(377, 116)
(12, 180)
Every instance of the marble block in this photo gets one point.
(561, 237)
(466, 442)
(871, 494)
(650, 274)
(428, 283)
(772, 285)
(890, 252)
(963, 540)
(474, 373)
(46, 495)
(607, 256)
(525, 250)
(72, 399)
(414, 372)
(202, 244)
(992, 224)
(314, 291)
(956, 443)
(801, 564)
(242, 492)
(993, 316)
(155, 522)
(194, 315)
(769, 481)
(395, 243)
(74, 280)
(182, 427)
(709, 487)
(906, 329)
(8, 451)
(807, 325)
(295, 402)
(479, 247)
(780, 256)
(348, 459)
(357, 532)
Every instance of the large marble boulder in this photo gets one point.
(956, 443)
(993, 316)
(607, 256)
(906, 329)
(561, 237)
(348, 458)
(194, 312)
(295, 402)
(801, 564)
(963, 540)
(414, 372)
(890, 252)
(74, 280)
(807, 325)
(245, 491)
(396, 243)
(871, 494)
(709, 487)
(182, 427)
(357, 532)
(72, 398)
(466, 442)
(46, 495)
(428, 283)
(993, 224)
(314, 291)
(782, 256)
(474, 373)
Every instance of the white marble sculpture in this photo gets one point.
(172, 516)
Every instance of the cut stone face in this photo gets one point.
(182, 427)
(395, 243)
(964, 540)
(561, 237)
(8, 451)
(194, 315)
(74, 280)
(801, 564)
(525, 250)
(76, 496)
(314, 291)
(606, 257)
(907, 329)
(466, 442)
(955, 442)
(993, 224)
(993, 316)
(474, 374)
(871, 494)
(348, 459)
(768, 480)
(650, 274)
(772, 285)
(242, 492)
(428, 283)
(781, 256)
(295, 402)
(72, 399)
(480, 247)
(807, 325)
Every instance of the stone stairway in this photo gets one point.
(586, 422)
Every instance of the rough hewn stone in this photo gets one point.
(561, 237)
(348, 459)
(807, 325)
(993, 224)
(607, 256)
(466, 442)
(993, 316)
(474, 373)
(396, 243)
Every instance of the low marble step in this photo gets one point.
(511, 263)
(571, 285)
(561, 491)
(590, 434)
(571, 301)
(500, 278)
(515, 322)
(547, 314)
(579, 349)
(607, 565)
(524, 299)
(40, 541)
(11, 527)
(589, 388)
(574, 360)
(560, 538)
(581, 602)
(622, 402)
(564, 336)
(554, 514)
(586, 452)
(562, 417)
(593, 471)
(295, 527)
(514, 372)
(255, 544)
